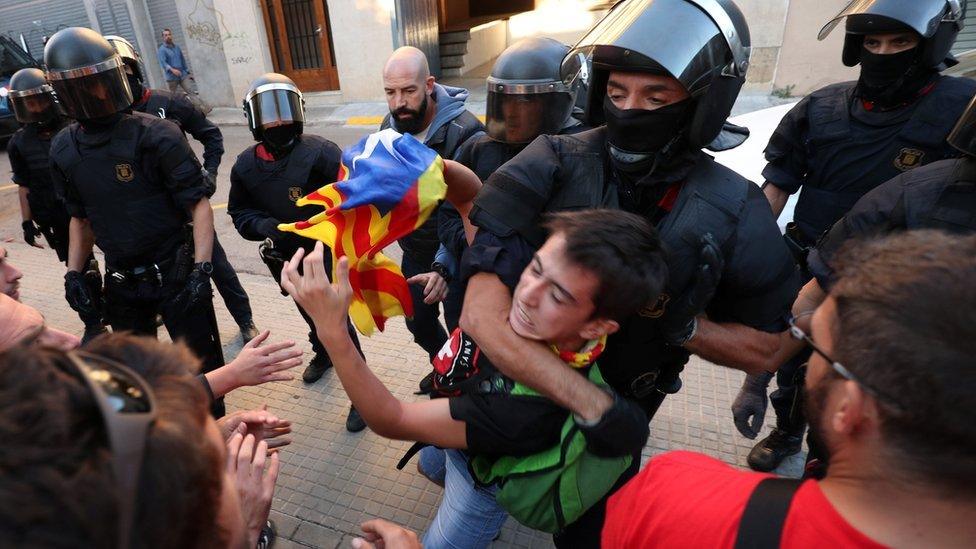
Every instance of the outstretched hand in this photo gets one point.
(435, 287)
(261, 423)
(257, 364)
(326, 302)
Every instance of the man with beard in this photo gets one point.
(435, 115)
(731, 279)
(888, 392)
(35, 106)
(840, 142)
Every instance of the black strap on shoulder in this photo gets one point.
(761, 526)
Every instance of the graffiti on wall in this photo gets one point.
(206, 25)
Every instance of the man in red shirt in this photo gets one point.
(889, 392)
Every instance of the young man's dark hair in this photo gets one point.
(56, 476)
(904, 307)
(624, 253)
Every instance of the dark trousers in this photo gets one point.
(313, 336)
(586, 530)
(427, 330)
(132, 303)
(225, 279)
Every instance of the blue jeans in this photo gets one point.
(468, 516)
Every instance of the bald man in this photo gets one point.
(435, 114)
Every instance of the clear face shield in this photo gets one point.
(93, 92)
(35, 105)
(963, 135)
(273, 105)
(517, 113)
(922, 17)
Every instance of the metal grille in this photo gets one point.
(300, 29)
(418, 27)
(36, 19)
(967, 37)
(163, 15)
(113, 18)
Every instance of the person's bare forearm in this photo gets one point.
(25, 209)
(80, 243)
(462, 187)
(485, 318)
(203, 231)
(735, 346)
(221, 380)
(810, 297)
(777, 198)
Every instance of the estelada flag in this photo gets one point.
(388, 185)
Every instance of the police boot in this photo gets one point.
(94, 324)
(319, 364)
(772, 450)
(248, 331)
(354, 421)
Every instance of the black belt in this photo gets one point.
(141, 273)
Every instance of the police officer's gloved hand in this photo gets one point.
(31, 232)
(751, 402)
(679, 322)
(196, 289)
(621, 431)
(209, 181)
(77, 295)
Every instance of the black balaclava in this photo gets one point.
(280, 140)
(135, 84)
(100, 124)
(636, 136)
(886, 81)
(413, 124)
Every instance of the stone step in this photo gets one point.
(460, 48)
(452, 61)
(455, 37)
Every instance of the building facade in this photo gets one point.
(335, 49)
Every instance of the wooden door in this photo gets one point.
(301, 42)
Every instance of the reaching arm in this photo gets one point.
(25, 209)
(735, 346)
(250, 220)
(485, 318)
(328, 304)
(462, 186)
(204, 131)
(80, 243)
(203, 231)
(777, 198)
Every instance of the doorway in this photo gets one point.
(301, 42)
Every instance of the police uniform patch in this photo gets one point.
(124, 173)
(294, 193)
(656, 309)
(908, 159)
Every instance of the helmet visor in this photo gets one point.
(639, 35)
(922, 17)
(275, 106)
(37, 105)
(520, 118)
(963, 136)
(94, 95)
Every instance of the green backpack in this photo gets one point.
(551, 489)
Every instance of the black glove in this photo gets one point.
(77, 295)
(209, 181)
(680, 322)
(196, 289)
(622, 430)
(31, 232)
(751, 402)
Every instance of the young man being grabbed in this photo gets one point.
(596, 267)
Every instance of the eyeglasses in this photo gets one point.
(797, 333)
(128, 410)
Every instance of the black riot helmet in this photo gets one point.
(32, 98)
(937, 22)
(526, 94)
(275, 110)
(963, 135)
(86, 73)
(704, 44)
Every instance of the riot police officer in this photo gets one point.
(731, 278)
(34, 105)
(177, 108)
(526, 98)
(269, 177)
(133, 187)
(841, 141)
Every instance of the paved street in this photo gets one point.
(331, 480)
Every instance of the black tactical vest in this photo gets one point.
(35, 149)
(132, 213)
(955, 209)
(838, 179)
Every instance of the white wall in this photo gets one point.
(245, 44)
(205, 28)
(362, 33)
